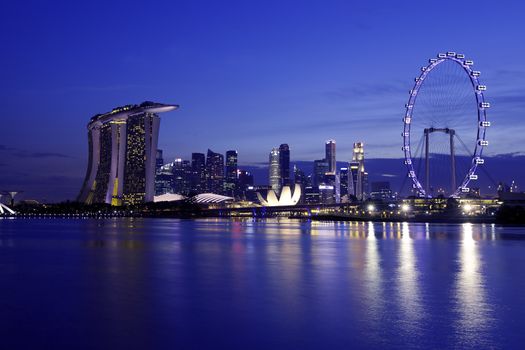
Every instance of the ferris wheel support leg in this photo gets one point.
(452, 161)
(427, 163)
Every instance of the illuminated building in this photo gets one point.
(321, 167)
(284, 164)
(275, 171)
(182, 174)
(285, 198)
(214, 172)
(343, 184)
(244, 180)
(358, 175)
(330, 156)
(230, 183)
(164, 179)
(122, 155)
(198, 173)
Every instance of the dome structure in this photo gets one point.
(285, 199)
(168, 197)
(210, 198)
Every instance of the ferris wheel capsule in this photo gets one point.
(481, 87)
(468, 63)
(465, 189)
(484, 124)
(484, 105)
(442, 55)
(460, 56)
(475, 73)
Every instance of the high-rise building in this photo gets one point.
(230, 183)
(215, 172)
(343, 184)
(359, 176)
(198, 173)
(275, 171)
(330, 156)
(182, 176)
(284, 164)
(244, 180)
(122, 155)
(164, 180)
(320, 169)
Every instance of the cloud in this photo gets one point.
(20, 153)
(26, 154)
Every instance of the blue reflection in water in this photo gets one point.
(259, 284)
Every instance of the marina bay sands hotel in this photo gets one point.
(122, 148)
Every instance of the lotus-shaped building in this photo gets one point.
(285, 199)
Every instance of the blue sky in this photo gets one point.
(248, 75)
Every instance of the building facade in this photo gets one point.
(284, 164)
(275, 171)
(198, 173)
(122, 155)
(231, 182)
(330, 156)
(214, 172)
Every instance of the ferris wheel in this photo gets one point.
(444, 127)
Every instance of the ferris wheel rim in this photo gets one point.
(482, 124)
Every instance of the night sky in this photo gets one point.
(249, 75)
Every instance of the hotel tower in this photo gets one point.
(122, 155)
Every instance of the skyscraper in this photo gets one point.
(182, 176)
(343, 184)
(284, 164)
(275, 171)
(245, 180)
(320, 169)
(122, 155)
(330, 156)
(359, 176)
(230, 182)
(215, 172)
(198, 173)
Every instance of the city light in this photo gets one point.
(371, 208)
(405, 208)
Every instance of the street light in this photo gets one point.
(405, 208)
(371, 207)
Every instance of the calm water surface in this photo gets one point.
(219, 284)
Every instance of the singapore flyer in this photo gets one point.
(444, 127)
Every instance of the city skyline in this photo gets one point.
(255, 79)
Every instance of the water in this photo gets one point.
(219, 284)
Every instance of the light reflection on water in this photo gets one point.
(265, 283)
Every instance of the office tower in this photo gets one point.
(122, 155)
(359, 175)
(275, 171)
(215, 172)
(343, 183)
(230, 182)
(182, 176)
(284, 164)
(159, 161)
(332, 180)
(320, 169)
(164, 180)
(299, 176)
(330, 156)
(198, 173)
(244, 180)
